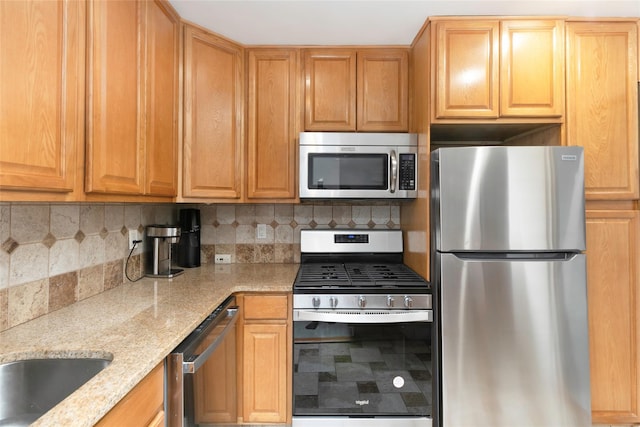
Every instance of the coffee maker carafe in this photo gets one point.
(158, 250)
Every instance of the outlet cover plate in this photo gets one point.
(223, 259)
(133, 235)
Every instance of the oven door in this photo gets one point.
(359, 367)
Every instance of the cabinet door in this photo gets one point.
(330, 90)
(614, 319)
(383, 90)
(532, 68)
(265, 373)
(161, 141)
(272, 109)
(41, 93)
(466, 69)
(142, 406)
(114, 132)
(213, 113)
(602, 105)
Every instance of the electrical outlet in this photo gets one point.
(223, 259)
(261, 231)
(133, 235)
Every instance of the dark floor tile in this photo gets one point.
(414, 399)
(368, 387)
(342, 359)
(309, 352)
(420, 375)
(327, 377)
(378, 366)
(306, 401)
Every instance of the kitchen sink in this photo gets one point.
(29, 388)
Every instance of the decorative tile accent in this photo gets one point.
(49, 240)
(313, 224)
(104, 233)
(113, 274)
(124, 230)
(332, 224)
(62, 290)
(293, 224)
(235, 224)
(371, 224)
(90, 281)
(352, 224)
(391, 224)
(10, 245)
(274, 224)
(79, 237)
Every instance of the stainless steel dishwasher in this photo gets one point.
(201, 372)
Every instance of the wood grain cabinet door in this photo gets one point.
(602, 105)
(613, 281)
(467, 59)
(213, 111)
(383, 90)
(114, 158)
(265, 373)
(161, 139)
(41, 93)
(532, 68)
(330, 90)
(272, 123)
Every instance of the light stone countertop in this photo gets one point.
(137, 324)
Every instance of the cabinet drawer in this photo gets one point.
(266, 307)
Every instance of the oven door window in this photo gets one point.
(362, 369)
(348, 171)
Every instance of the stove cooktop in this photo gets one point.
(358, 277)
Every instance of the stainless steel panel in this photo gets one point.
(377, 241)
(515, 345)
(509, 199)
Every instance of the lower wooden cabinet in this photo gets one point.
(613, 281)
(266, 358)
(141, 407)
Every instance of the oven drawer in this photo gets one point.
(265, 307)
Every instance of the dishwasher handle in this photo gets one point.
(195, 361)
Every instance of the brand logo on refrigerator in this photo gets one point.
(569, 157)
(362, 402)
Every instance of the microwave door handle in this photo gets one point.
(394, 171)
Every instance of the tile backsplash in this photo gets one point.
(54, 254)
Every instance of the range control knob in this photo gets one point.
(333, 302)
(391, 301)
(362, 301)
(316, 302)
(408, 301)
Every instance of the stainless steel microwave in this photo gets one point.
(358, 165)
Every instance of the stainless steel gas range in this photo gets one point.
(362, 332)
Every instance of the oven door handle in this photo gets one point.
(216, 336)
(363, 316)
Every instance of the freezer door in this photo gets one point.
(515, 348)
(509, 199)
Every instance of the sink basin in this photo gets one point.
(29, 388)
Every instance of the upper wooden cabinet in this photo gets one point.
(490, 69)
(272, 112)
(213, 112)
(364, 89)
(602, 105)
(41, 98)
(132, 98)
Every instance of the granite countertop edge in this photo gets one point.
(137, 325)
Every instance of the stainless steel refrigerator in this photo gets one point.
(509, 277)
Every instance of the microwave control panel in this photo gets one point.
(407, 172)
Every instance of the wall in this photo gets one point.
(53, 255)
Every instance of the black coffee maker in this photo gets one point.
(189, 244)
